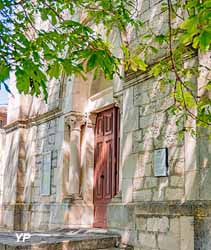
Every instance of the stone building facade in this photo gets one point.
(49, 160)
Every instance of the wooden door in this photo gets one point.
(106, 172)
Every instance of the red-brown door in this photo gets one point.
(106, 163)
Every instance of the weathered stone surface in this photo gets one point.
(148, 109)
(143, 146)
(158, 195)
(147, 239)
(177, 181)
(150, 182)
(176, 153)
(174, 193)
(141, 223)
(175, 225)
(157, 224)
(127, 190)
(168, 240)
(138, 135)
(130, 166)
(138, 183)
(202, 233)
(144, 164)
(190, 153)
(146, 121)
(192, 187)
(143, 195)
(187, 233)
(126, 144)
(177, 167)
(205, 184)
(141, 99)
(124, 214)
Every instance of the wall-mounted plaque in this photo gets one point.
(161, 162)
(45, 188)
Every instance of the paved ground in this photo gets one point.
(61, 239)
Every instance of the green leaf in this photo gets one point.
(92, 62)
(4, 71)
(189, 100)
(160, 39)
(139, 63)
(23, 81)
(186, 38)
(156, 70)
(195, 42)
(45, 91)
(207, 4)
(44, 14)
(190, 24)
(54, 70)
(205, 40)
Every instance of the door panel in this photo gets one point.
(108, 170)
(106, 163)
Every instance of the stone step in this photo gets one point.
(71, 240)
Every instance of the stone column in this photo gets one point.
(88, 171)
(73, 123)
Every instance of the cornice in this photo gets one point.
(33, 121)
(134, 78)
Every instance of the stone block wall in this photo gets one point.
(152, 128)
(146, 126)
(146, 213)
(29, 209)
(157, 225)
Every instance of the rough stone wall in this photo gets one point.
(36, 211)
(64, 129)
(43, 212)
(34, 130)
(202, 233)
(153, 128)
(146, 126)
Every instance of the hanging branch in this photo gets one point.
(174, 68)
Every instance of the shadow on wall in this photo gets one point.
(152, 127)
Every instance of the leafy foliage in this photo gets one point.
(41, 39)
(44, 33)
(190, 37)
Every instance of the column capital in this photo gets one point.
(75, 120)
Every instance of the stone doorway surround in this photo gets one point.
(79, 129)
